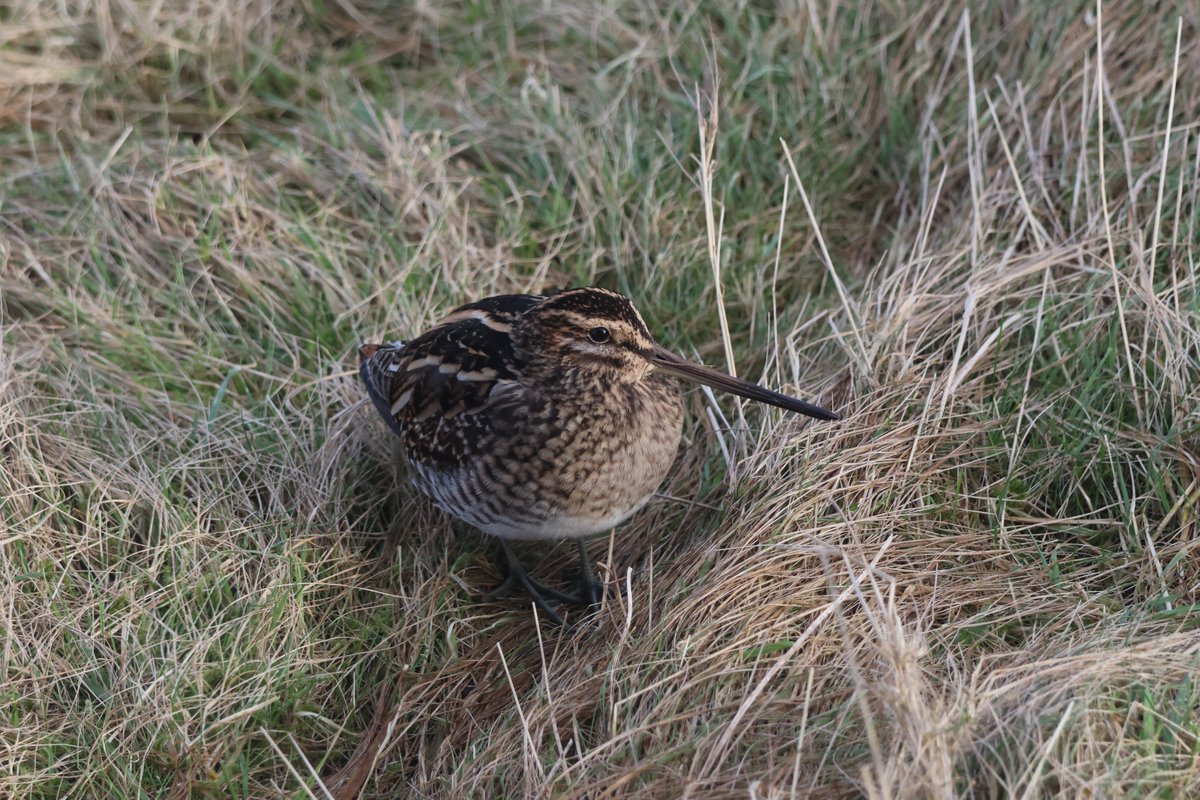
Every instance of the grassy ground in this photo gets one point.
(983, 583)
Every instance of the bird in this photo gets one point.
(542, 417)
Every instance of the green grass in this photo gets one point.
(981, 583)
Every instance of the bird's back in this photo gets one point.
(432, 389)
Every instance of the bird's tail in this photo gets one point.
(373, 362)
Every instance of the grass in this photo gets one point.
(982, 583)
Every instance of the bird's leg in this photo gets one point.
(536, 591)
(590, 591)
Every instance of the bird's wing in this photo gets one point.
(450, 369)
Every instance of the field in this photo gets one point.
(970, 228)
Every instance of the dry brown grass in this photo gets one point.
(982, 583)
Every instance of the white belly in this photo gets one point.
(565, 526)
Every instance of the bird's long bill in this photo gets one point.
(681, 367)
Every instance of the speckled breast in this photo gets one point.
(572, 463)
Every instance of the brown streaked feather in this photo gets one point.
(449, 370)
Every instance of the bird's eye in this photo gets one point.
(599, 335)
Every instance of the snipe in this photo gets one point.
(542, 417)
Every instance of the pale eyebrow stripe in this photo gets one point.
(488, 320)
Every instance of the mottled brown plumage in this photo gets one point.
(534, 417)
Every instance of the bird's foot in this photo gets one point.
(588, 592)
(512, 582)
(519, 578)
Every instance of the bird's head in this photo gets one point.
(589, 329)
(599, 331)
